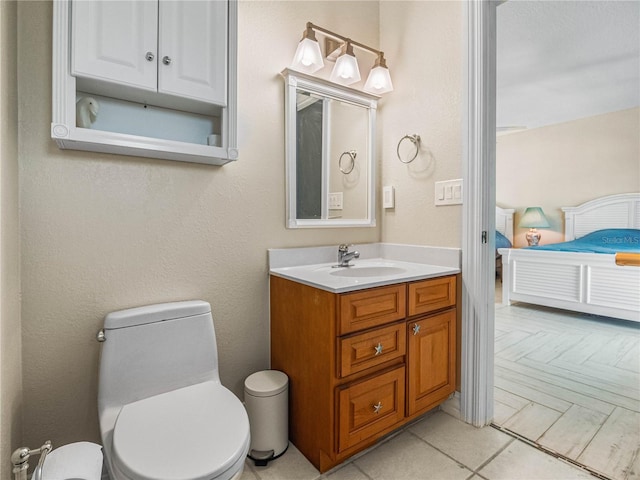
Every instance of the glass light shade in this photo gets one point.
(346, 69)
(534, 218)
(379, 81)
(308, 57)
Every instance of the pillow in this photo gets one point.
(502, 241)
(613, 237)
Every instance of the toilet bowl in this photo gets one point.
(81, 461)
(163, 411)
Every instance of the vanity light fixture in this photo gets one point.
(308, 59)
(346, 70)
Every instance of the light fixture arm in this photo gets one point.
(337, 36)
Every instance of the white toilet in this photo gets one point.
(163, 412)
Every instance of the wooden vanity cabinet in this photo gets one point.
(361, 364)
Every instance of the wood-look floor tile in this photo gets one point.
(615, 446)
(573, 431)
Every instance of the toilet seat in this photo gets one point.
(200, 432)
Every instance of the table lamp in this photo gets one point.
(533, 218)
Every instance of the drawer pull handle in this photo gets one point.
(416, 328)
(377, 407)
(378, 349)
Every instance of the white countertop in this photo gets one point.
(365, 273)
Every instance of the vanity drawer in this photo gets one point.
(371, 308)
(370, 407)
(369, 349)
(431, 295)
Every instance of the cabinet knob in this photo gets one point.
(378, 349)
(166, 60)
(377, 407)
(149, 56)
(416, 328)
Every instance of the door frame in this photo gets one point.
(478, 213)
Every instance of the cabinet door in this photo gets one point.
(115, 42)
(193, 50)
(431, 360)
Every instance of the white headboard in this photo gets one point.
(504, 222)
(613, 211)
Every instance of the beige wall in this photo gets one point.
(102, 232)
(566, 165)
(423, 42)
(10, 329)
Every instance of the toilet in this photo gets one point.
(163, 412)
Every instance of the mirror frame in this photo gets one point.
(294, 81)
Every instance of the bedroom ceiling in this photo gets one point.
(562, 60)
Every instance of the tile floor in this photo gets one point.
(438, 447)
(571, 382)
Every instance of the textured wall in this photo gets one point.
(567, 164)
(102, 232)
(423, 42)
(10, 333)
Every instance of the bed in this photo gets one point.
(581, 281)
(504, 234)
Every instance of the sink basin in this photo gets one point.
(377, 271)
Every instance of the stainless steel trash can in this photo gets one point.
(266, 398)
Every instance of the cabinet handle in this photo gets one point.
(149, 56)
(377, 407)
(416, 328)
(166, 60)
(378, 348)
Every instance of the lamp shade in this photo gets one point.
(346, 70)
(308, 57)
(379, 80)
(534, 218)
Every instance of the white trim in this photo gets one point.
(478, 267)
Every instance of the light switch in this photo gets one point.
(448, 192)
(388, 197)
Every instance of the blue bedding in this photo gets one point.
(611, 240)
(502, 241)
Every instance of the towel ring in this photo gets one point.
(352, 155)
(415, 139)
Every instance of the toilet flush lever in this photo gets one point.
(100, 336)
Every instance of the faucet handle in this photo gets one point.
(344, 247)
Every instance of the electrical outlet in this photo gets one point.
(335, 201)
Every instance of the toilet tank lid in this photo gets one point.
(155, 313)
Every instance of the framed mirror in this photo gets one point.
(330, 153)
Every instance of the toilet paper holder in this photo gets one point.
(20, 461)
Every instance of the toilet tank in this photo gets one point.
(154, 349)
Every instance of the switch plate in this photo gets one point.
(448, 192)
(335, 201)
(388, 197)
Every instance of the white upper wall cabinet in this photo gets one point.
(162, 74)
(115, 42)
(185, 67)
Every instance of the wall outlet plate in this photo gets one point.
(335, 201)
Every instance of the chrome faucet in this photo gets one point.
(345, 256)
